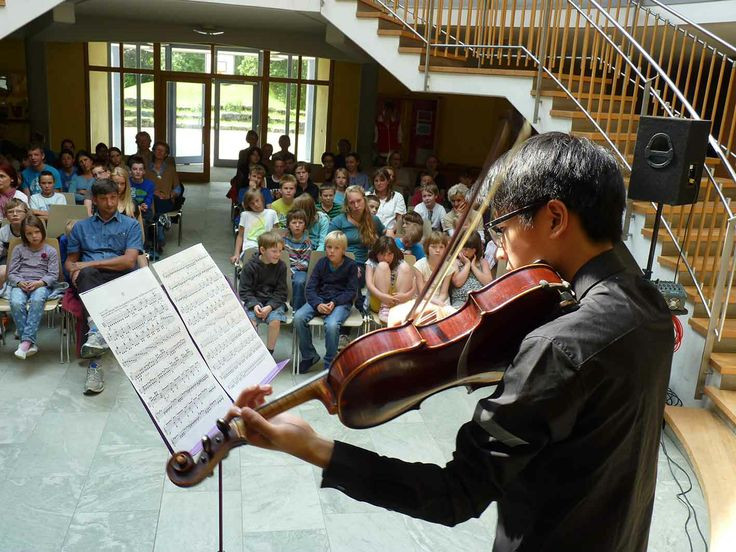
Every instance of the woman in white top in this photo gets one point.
(391, 202)
(254, 221)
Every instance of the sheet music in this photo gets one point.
(216, 319)
(154, 350)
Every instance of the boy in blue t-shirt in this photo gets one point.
(33, 172)
(141, 188)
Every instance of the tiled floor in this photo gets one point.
(85, 473)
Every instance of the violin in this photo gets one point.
(387, 372)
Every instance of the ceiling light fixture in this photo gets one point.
(208, 30)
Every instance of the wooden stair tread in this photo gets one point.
(480, 71)
(693, 235)
(421, 49)
(724, 363)
(602, 115)
(724, 400)
(692, 294)
(670, 261)
(563, 94)
(711, 447)
(700, 325)
(645, 207)
(594, 135)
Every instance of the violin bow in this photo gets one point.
(489, 174)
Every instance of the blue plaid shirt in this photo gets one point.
(96, 240)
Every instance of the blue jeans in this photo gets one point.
(333, 321)
(27, 322)
(298, 284)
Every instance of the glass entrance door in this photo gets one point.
(236, 111)
(187, 127)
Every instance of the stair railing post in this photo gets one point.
(542, 58)
(428, 33)
(718, 306)
(643, 112)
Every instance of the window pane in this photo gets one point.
(99, 107)
(114, 54)
(190, 59)
(116, 125)
(239, 62)
(323, 69)
(309, 66)
(138, 56)
(97, 53)
(284, 65)
(281, 113)
(138, 108)
(313, 119)
(292, 118)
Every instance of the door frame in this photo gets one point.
(163, 129)
(217, 161)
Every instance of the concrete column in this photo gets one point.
(38, 96)
(367, 112)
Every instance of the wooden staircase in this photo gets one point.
(707, 433)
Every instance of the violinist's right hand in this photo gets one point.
(284, 432)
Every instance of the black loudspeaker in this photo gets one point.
(668, 160)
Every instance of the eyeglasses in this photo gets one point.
(497, 233)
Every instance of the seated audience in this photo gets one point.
(328, 165)
(327, 203)
(32, 272)
(425, 179)
(81, 184)
(410, 238)
(390, 202)
(355, 176)
(67, 144)
(432, 165)
(263, 288)
(251, 158)
(343, 149)
(472, 271)
(273, 182)
(15, 211)
(116, 158)
(361, 229)
(373, 204)
(284, 154)
(285, 203)
(318, 223)
(39, 203)
(100, 249)
(168, 192)
(254, 221)
(32, 173)
(389, 279)
(402, 175)
(257, 181)
(429, 209)
(9, 182)
(456, 195)
(67, 169)
(299, 247)
(434, 246)
(267, 151)
(304, 182)
(331, 290)
(102, 154)
(142, 188)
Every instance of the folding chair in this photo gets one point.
(70, 199)
(59, 215)
(238, 265)
(50, 306)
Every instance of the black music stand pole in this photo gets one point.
(653, 245)
(219, 497)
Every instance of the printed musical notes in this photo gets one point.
(215, 319)
(154, 350)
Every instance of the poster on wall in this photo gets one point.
(423, 131)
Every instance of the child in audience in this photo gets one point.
(434, 246)
(67, 169)
(327, 203)
(299, 247)
(424, 180)
(373, 204)
(472, 272)
(273, 182)
(330, 293)
(263, 287)
(141, 188)
(341, 184)
(429, 209)
(318, 223)
(256, 181)
(410, 240)
(283, 205)
(32, 271)
(355, 176)
(255, 220)
(39, 203)
(389, 279)
(15, 210)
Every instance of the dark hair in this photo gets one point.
(327, 186)
(104, 186)
(31, 220)
(133, 159)
(576, 171)
(117, 149)
(80, 154)
(386, 244)
(47, 173)
(35, 146)
(101, 145)
(296, 214)
(66, 152)
(9, 169)
(327, 154)
(250, 151)
(65, 140)
(355, 155)
(161, 143)
(303, 165)
(474, 242)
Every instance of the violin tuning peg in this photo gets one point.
(207, 444)
(224, 428)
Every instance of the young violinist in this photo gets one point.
(567, 445)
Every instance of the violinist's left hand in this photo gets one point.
(284, 432)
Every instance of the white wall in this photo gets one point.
(17, 13)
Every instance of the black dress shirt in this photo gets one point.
(567, 444)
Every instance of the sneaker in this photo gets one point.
(32, 350)
(383, 314)
(306, 365)
(164, 221)
(20, 352)
(94, 383)
(95, 345)
(343, 342)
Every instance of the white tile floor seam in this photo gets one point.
(81, 473)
